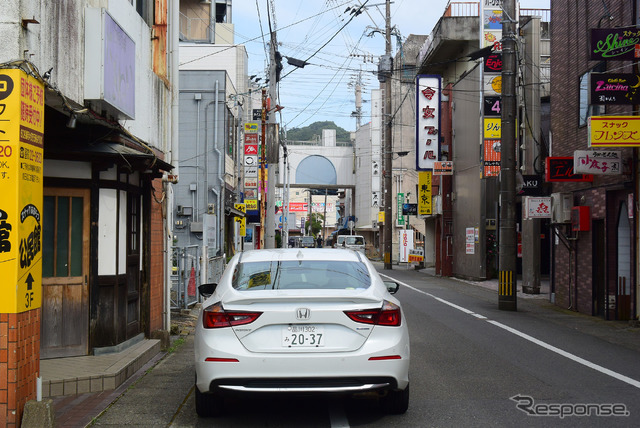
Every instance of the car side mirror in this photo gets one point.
(392, 286)
(207, 290)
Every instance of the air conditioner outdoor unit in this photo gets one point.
(561, 205)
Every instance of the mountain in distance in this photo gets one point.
(313, 132)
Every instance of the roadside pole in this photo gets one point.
(507, 267)
(261, 181)
(388, 168)
(271, 143)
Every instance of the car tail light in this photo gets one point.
(215, 316)
(385, 358)
(388, 315)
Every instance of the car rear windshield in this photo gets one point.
(355, 240)
(296, 275)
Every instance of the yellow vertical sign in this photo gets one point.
(21, 157)
(241, 220)
(424, 193)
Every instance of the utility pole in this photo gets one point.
(272, 141)
(263, 161)
(507, 283)
(386, 119)
(285, 200)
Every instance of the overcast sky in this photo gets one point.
(324, 89)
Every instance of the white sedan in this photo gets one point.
(301, 321)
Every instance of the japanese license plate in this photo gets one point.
(300, 336)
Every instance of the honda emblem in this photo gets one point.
(303, 313)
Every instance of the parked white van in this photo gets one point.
(354, 242)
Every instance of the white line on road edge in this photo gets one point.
(531, 339)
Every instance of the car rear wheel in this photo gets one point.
(208, 404)
(396, 402)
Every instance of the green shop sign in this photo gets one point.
(400, 217)
(615, 43)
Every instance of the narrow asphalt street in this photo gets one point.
(464, 371)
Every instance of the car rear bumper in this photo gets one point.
(235, 368)
(304, 385)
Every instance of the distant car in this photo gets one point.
(293, 241)
(303, 321)
(354, 242)
(307, 242)
(339, 241)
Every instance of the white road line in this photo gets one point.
(531, 339)
(566, 354)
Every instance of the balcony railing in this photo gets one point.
(456, 9)
(469, 8)
(544, 14)
(462, 8)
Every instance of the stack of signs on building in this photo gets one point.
(427, 136)
(251, 167)
(609, 44)
(491, 36)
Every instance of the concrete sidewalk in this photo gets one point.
(95, 373)
(489, 284)
(82, 387)
(492, 284)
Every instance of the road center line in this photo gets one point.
(531, 339)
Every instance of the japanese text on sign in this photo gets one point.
(427, 121)
(492, 128)
(614, 131)
(537, 207)
(601, 162)
(424, 193)
(560, 168)
(21, 189)
(615, 43)
(491, 158)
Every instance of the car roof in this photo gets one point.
(281, 254)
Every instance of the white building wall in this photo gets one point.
(57, 43)
(233, 59)
(365, 213)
